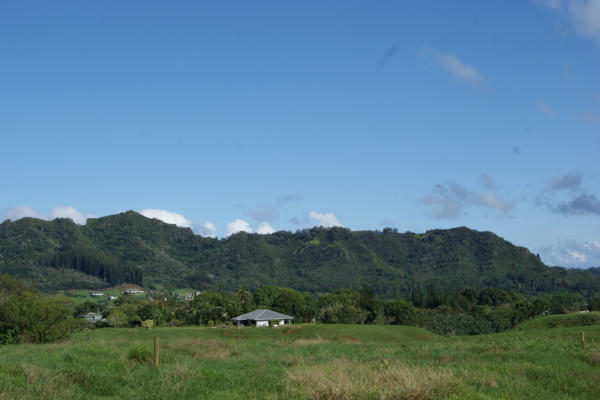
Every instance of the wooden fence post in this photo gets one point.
(583, 340)
(156, 351)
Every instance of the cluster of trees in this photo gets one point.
(27, 316)
(92, 262)
(466, 312)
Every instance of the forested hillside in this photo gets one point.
(128, 247)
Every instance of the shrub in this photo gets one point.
(139, 354)
(28, 316)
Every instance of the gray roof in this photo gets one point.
(261, 315)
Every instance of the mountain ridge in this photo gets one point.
(113, 249)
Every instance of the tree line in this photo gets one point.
(464, 312)
(96, 264)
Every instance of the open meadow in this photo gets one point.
(540, 359)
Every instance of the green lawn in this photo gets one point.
(541, 359)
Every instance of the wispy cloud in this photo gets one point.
(571, 180)
(564, 195)
(586, 17)
(546, 109)
(552, 4)
(457, 69)
(572, 253)
(449, 200)
(265, 212)
(490, 199)
(486, 181)
(583, 14)
(588, 117)
(387, 55)
(583, 204)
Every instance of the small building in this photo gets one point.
(261, 318)
(133, 291)
(185, 296)
(92, 317)
(112, 297)
(96, 294)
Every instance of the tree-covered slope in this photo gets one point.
(128, 247)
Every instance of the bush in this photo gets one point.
(139, 354)
(27, 316)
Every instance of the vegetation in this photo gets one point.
(310, 361)
(27, 316)
(128, 247)
(466, 312)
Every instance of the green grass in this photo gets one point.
(541, 359)
(80, 296)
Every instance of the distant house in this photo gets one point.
(96, 294)
(261, 318)
(185, 297)
(112, 297)
(92, 317)
(133, 291)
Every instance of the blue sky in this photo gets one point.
(266, 116)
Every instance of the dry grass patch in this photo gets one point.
(202, 348)
(300, 342)
(594, 358)
(345, 379)
(176, 375)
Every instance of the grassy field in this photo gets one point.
(80, 296)
(541, 359)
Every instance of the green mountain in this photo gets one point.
(129, 247)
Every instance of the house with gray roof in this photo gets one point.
(261, 318)
(92, 317)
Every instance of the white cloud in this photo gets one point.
(455, 67)
(207, 229)
(491, 200)
(327, 220)
(572, 253)
(264, 228)
(69, 212)
(586, 17)
(584, 14)
(169, 217)
(239, 225)
(16, 213)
